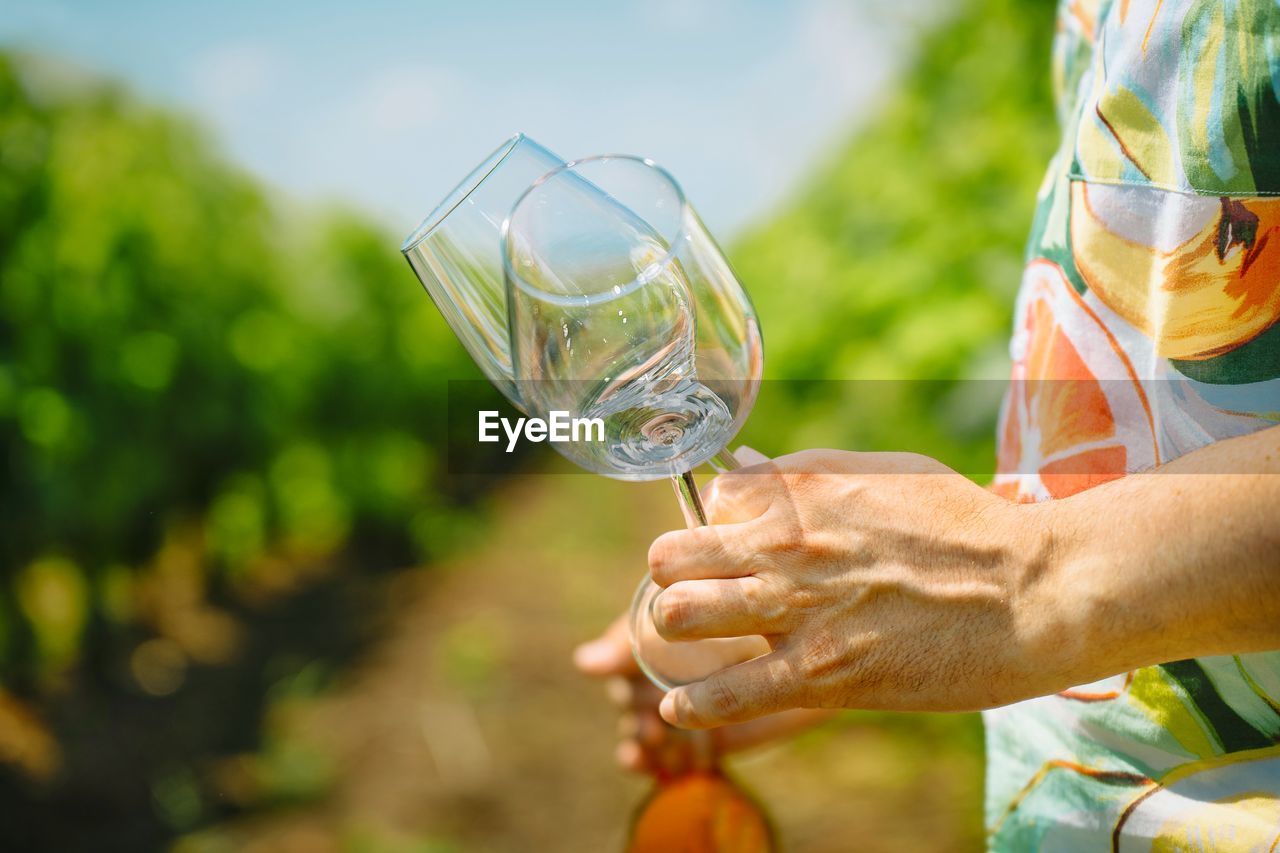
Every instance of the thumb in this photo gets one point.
(749, 455)
(760, 686)
(608, 654)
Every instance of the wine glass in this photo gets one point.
(621, 307)
(456, 253)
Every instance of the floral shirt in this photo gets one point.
(1146, 328)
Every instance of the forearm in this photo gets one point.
(890, 581)
(1179, 563)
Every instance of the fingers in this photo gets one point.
(749, 456)
(633, 693)
(642, 739)
(740, 505)
(608, 654)
(717, 551)
(700, 609)
(646, 744)
(744, 692)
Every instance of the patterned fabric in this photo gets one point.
(1146, 328)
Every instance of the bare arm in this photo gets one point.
(1176, 564)
(890, 581)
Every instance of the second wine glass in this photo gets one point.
(621, 307)
(456, 254)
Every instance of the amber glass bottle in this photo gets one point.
(700, 810)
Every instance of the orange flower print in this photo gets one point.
(1059, 432)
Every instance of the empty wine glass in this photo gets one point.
(456, 253)
(621, 307)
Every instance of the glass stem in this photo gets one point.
(690, 500)
(704, 751)
(687, 489)
(704, 757)
(725, 461)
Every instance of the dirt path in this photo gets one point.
(466, 728)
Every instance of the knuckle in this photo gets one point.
(758, 563)
(820, 657)
(662, 555)
(831, 546)
(674, 611)
(856, 543)
(808, 599)
(719, 507)
(723, 701)
(734, 497)
(788, 536)
(723, 488)
(763, 602)
(798, 480)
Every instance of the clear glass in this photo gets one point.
(621, 307)
(456, 253)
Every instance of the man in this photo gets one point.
(1116, 630)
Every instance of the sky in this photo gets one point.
(389, 103)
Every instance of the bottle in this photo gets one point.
(699, 809)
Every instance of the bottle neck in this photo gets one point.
(698, 757)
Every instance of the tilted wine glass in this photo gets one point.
(456, 253)
(621, 307)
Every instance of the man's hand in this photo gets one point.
(647, 744)
(882, 580)
(886, 580)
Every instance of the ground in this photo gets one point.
(466, 725)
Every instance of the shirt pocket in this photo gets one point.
(1198, 275)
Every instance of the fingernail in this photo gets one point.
(667, 708)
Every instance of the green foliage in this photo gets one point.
(176, 350)
(900, 260)
(201, 390)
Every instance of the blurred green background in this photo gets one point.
(243, 604)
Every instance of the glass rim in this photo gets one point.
(461, 192)
(643, 277)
